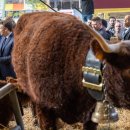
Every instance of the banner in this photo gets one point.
(18, 6)
(8, 6)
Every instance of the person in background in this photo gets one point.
(11, 20)
(1, 25)
(89, 23)
(118, 30)
(87, 9)
(98, 26)
(111, 25)
(104, 23)
(126, 32)
(6, 45)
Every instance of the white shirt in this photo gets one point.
(8, 35)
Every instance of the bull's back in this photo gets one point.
(48, 55)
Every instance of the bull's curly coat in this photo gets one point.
(48, 55)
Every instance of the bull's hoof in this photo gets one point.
(35, 123)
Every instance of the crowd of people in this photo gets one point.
(112, 29)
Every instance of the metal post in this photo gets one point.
(16, 109)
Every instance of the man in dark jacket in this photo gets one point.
(1, 26)
(97, 25)
(110, 29)
(126, 32)
(6, 45)
(87, 9)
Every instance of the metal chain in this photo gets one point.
(105, 100)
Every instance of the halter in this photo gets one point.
(92, 76)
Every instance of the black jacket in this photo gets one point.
(104, 34)
(6, 68)
(126, 36)
(87, 7)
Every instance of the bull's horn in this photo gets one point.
(109, 48)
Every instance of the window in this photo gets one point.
(64, 4)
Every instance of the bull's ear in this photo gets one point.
(97, 50)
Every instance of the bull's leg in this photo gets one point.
(90, 125)
(47, 119)
(34, 114)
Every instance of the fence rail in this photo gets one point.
(10, 89)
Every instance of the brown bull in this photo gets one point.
(49, 52)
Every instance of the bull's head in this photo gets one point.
(117, 71)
